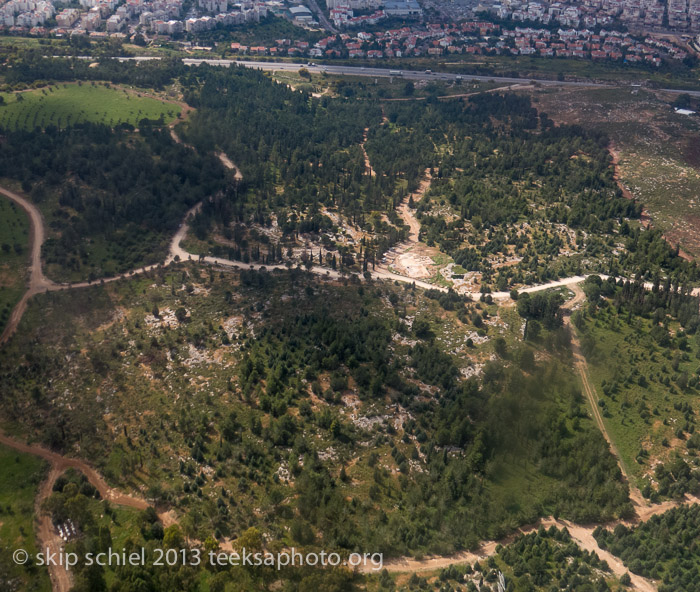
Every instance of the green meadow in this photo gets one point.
(20, 476)
(67, 104)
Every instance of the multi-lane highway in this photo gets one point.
(373, 72)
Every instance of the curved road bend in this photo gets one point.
(47, 537)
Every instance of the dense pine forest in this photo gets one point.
(113, 198)
(664, 548)
(513, 197)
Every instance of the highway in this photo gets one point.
(372, 72)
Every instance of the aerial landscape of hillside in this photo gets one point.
(350, 295)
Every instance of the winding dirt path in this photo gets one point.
(228, 163)
(581, 535)
(408, 215)
(47, 536)
(582, 368)
(368, 167)
(61, 579)
(61, 463)
(225, 160)
(37, 281)
(411, 242)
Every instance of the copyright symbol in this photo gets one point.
(20, 557)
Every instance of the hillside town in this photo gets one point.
(587, 30)
(479, 38)
(677, 15)
(111, 17)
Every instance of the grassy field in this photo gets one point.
(20, 476)
(637, 382)
(14, 237)
(67, 104)
(657, 160)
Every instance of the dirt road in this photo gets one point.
(228, 163)
(581, 535)
(47, 536)
(581, 367)
(410, 257)
(582, 370)
(408, 215)
(225, 160)
(368, 167)
(60, 463)
(37, 281)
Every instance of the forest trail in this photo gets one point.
(37, 282)
(228, 163)
(221, 155)
(62, 463)
(581, 535)
(410, 257)
(581, 366)
(582, 369)
(368, 167)
(408, 214)
(47, 535)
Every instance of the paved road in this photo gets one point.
(402, 73)
(371, 72)
(322, 17)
